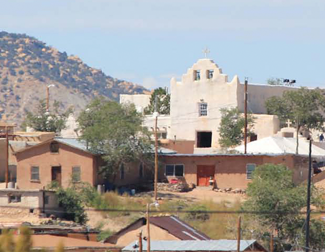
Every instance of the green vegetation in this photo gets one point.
(162, 98)
(303, 107)
(74, 199)
(116, 132)
(273, 193)
(47, 121)
(23, 243)
(231, 129)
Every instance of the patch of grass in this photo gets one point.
(216, 226)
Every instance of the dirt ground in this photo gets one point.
(198, 194)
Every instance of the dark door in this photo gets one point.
(56, 174)
(204, 172)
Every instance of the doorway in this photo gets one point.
(204, 172)
(56, 174)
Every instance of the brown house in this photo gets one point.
(226, 170)
(161, 228)
(59, 160)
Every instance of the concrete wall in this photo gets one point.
(258, 94)
(230, 171)
(42, 157)
(30, 199)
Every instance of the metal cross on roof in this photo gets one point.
(206, 51)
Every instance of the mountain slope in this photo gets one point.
(28, 65)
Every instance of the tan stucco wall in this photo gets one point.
(230, 171)
(265, 125)
(42, 157)
(187, 94)
(156, 234)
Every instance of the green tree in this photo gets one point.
(47, 121)
(231, 128)
(24, 242)
(273, 193)
(274, 81)
(115, 131)
(162, 98)
(71, 199)
(304, 107)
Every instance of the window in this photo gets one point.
(141, 170)
(14, 198)
(204, 139)
(249, 170)
(54, 147)
(76, 174)
(162, 135)
(252, 137)
(34, 173)
(209, 74)
(122, 172)
(197, 75)
(174, 170)
(46, 200)
(203, 109)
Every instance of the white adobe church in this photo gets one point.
(196, 100)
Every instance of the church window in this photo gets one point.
(203, 139)
(203, 109)
(197, 75)
(209, 74)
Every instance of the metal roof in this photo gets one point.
(73, 142)
(209, 245)
(178, 228)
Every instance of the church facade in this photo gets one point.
(196, 100)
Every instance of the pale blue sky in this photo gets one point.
(148, 41)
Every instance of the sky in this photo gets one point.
(149, 41)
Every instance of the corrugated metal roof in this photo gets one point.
(209, 245)
(73, 142)
(178, 228)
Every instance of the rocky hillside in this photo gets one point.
(28, 65)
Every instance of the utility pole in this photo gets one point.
(271, 242)
(148, 229)
(245, 112)
(308, 198)
(156, 152)
(238, 233)
(140, 241)
(7, 158)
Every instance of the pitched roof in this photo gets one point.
(178, 228)
(171, 224)
(74, 143)
(281, 145)
(210, 245)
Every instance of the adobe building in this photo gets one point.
(196, 100)
(59, 160)
(226, 170)
(66, 160)
(167, 227)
